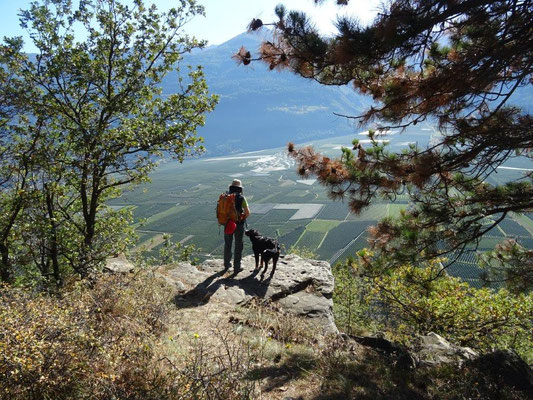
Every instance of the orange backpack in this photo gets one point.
(226, 209)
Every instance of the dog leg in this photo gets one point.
(264, 270)
(256, 255)
(274, 263)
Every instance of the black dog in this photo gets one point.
(266, 256)
(264, 247)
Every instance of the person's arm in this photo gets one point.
(246, 213)
(245, 210)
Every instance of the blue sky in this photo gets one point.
(224, 18)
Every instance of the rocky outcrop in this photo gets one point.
(401, 355)
(119, 264)
(506, 368)
(428, 350)
(300, 286)
(433, 349)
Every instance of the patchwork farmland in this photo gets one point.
(181, 200)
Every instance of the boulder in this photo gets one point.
(299, 286)
(427, 350)
(506, 368)
(119, 264)
(433, 349)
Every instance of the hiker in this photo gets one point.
(235, 228)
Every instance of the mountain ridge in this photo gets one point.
(260, 108)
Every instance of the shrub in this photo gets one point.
(90, 342)
(304, 252)
(352, 314)
(415, 300)
(168, 252)
(215, 367)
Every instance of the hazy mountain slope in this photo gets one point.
(263, 109)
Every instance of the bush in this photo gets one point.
(416, 300)
(168, 252)
(90, 342)
(215, 367)
(352, 314)
(105, 340)
(304, 252)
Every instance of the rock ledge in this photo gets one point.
(300, 286)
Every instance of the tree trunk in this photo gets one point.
(44, 262)
(5, 266)
(54, 250)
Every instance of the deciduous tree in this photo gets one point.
(19, 141)
(99, 105)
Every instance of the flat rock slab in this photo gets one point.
(119, 264)
(300, 286)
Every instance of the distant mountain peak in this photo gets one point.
(247, 39)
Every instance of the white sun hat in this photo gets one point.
(236, 183)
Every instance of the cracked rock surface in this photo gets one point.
(300, 286)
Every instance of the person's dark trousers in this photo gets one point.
(228, 240)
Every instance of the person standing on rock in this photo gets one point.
(236, 229)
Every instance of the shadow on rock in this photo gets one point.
(300, 286)
(202, 293)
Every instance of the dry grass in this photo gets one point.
(124, 338)
(275, 323)
(91, 342)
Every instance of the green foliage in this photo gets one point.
(87, 118)
(352, 314)
(510, 263)
(413, 300)
(169, 252)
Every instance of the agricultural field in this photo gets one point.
(310, 240)
(181, 201)
(513, 229)
(466, 267)
(336, 211)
